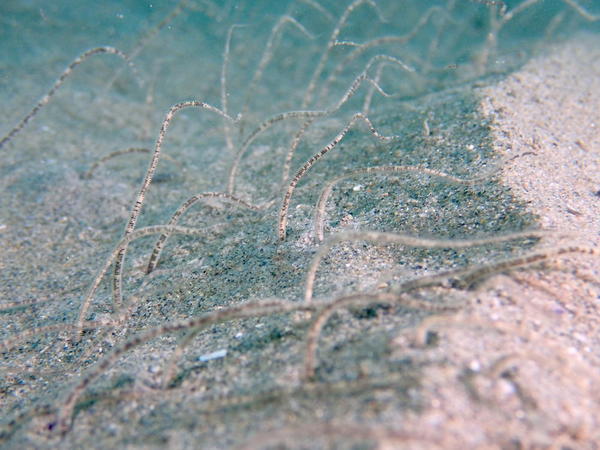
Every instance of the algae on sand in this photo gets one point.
(57, 227)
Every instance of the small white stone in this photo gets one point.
(213, 355)
(475, 365)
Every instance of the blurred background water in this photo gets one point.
(39, 38)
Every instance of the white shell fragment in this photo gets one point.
(214, 355)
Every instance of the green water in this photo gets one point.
(57, 226)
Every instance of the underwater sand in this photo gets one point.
(519, 369)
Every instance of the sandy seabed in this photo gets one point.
(527, 347)
(517, 367)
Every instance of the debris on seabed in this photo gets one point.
(214, 355)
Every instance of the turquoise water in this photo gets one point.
(58, 224)
(39, 39)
